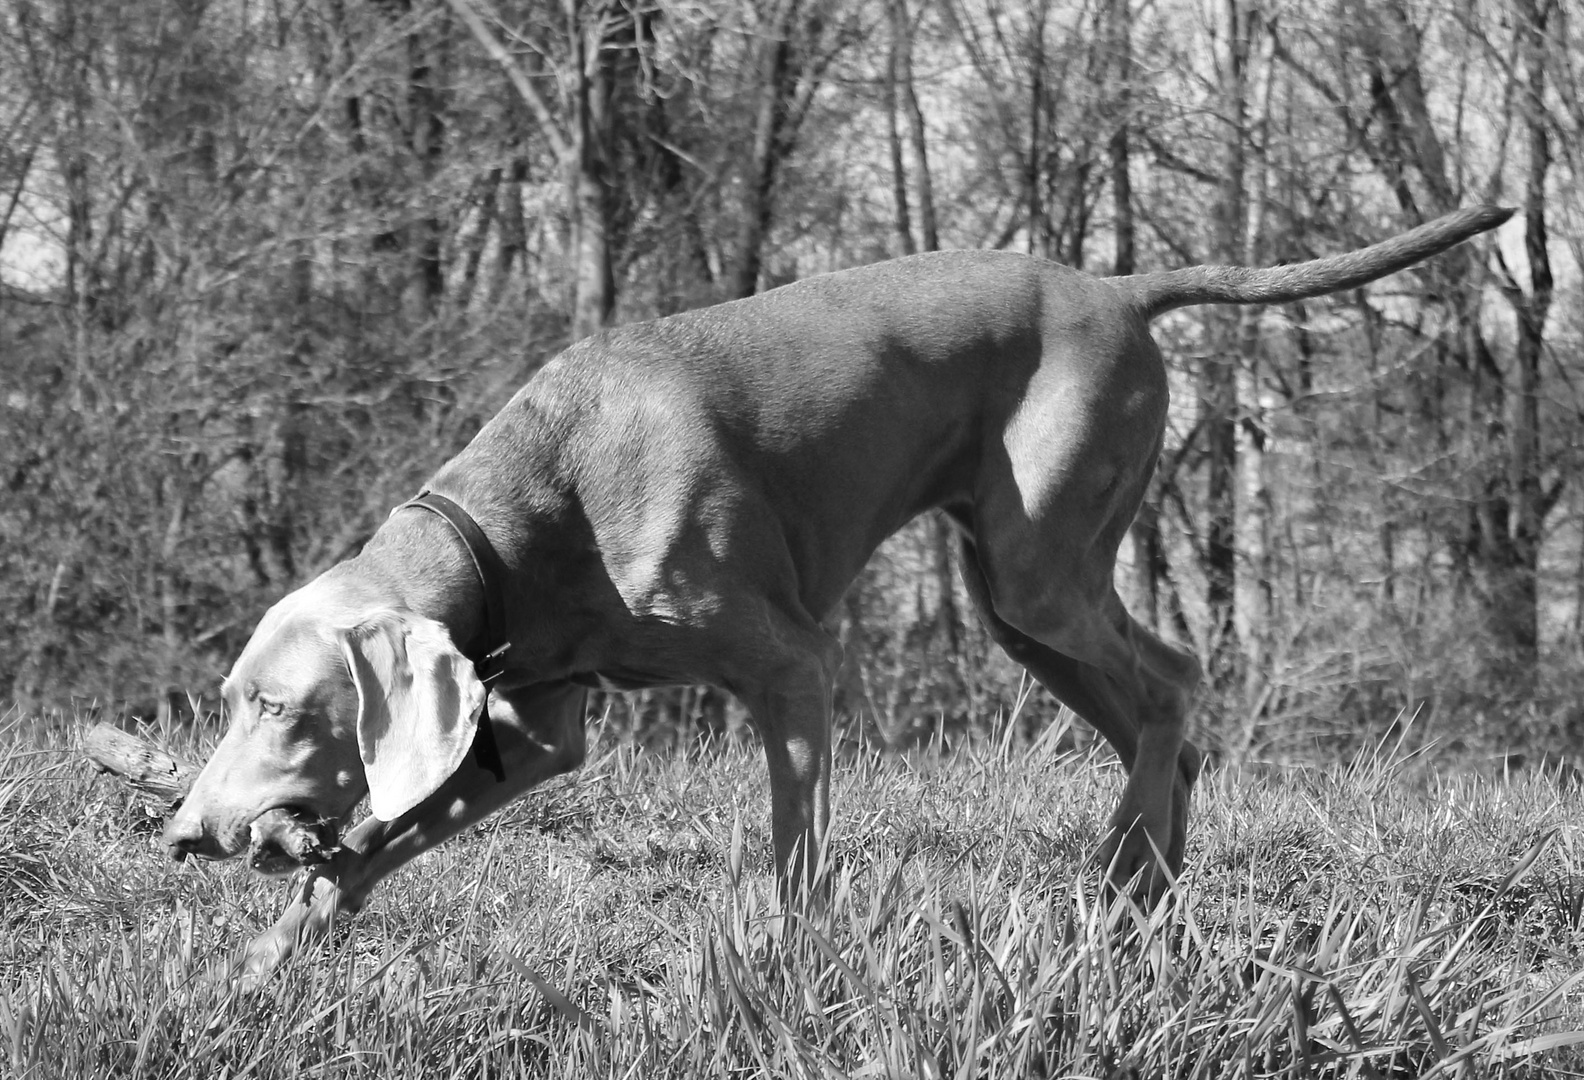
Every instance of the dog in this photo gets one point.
(682, 501)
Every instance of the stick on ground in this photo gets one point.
(141, 763)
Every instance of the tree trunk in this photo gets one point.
(425, 283)
(1255, 593)
(929, 231)
(775, 61)
(1513, 572)
(900, 223)
(1119, 31)
(687, 277)
(513, 231)
(1386, 533)
(594, 296)
(583, 155)
(1218, 378)
(82, 270)
(487, 204)
(1039, 227)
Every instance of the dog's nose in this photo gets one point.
(183, 836)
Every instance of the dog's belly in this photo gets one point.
(622, 680)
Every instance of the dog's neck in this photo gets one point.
(417, 562)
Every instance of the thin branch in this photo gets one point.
(524, 86)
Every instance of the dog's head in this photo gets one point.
(335, 695)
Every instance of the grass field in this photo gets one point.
(1371, 919)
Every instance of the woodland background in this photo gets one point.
(264, 264)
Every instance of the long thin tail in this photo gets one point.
(1157, 293)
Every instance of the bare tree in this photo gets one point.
(580, 141)
(797, 40)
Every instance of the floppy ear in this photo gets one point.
(418, 707)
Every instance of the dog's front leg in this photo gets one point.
(791, 707)
(540, 733)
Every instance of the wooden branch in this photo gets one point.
(141, 763)
(560, 144)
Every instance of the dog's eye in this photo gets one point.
(271, 708)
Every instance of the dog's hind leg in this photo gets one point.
(1135, 690)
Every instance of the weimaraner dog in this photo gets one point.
(682, 501)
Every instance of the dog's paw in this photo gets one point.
(260, 958)
(1133, 865)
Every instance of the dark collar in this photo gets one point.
(489, 643)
